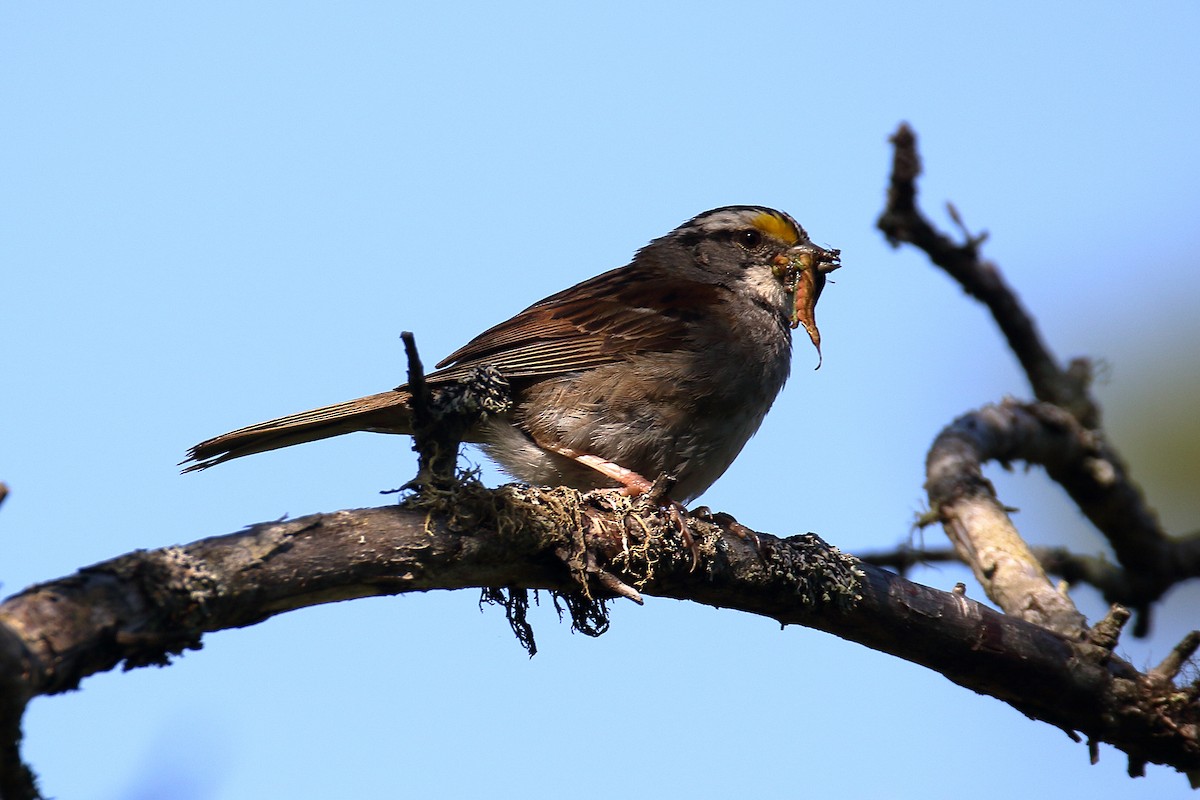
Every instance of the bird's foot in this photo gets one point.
(727, 523)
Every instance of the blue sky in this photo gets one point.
(212, 215)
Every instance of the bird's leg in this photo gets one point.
(675, 511)
(632, 484)
(635, 485)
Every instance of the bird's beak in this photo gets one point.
(803, 269)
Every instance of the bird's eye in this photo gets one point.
(749, 238)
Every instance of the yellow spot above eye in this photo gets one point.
(777, 227)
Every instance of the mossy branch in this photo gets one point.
(144, 607)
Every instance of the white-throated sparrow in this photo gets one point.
(667, 365)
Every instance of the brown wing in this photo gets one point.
(596, 322)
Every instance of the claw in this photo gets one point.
(656, 493)
(675, 513)
(728, 523)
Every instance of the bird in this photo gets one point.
(665, 366)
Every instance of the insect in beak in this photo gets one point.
(802, 270)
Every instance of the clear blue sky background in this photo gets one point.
(213, 214)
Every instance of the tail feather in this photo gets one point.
(387, 412)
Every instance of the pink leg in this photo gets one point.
(632, 484)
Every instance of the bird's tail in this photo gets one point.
(387, 412)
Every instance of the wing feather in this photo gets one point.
(601, 321)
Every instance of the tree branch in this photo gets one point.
(1096, 478)
(979, 526)
(903, 222)
(1038, 433)
(142, 607)
(1074, 568)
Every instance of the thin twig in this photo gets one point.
(1074, 568)
(1179, 655)
(444, 414)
